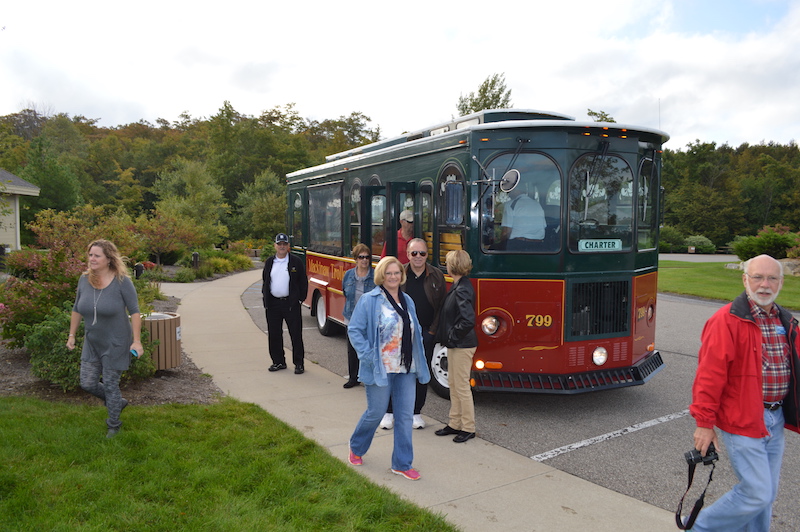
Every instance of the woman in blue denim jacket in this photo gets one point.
(387, 336)
(356, 282)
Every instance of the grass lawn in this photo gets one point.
(224, 467)
(712, 280)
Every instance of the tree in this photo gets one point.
(600, 116)
(165, 233)
(260, 208)
(189, 191)
(492, 94)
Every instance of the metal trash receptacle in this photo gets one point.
(166, 328)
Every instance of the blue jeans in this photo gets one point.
(757, 464)
(401, 390)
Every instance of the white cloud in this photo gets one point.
(676, 64)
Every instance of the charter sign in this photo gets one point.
(596, 244)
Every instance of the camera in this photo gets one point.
(694, 456)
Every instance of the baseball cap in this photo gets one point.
(281, 237)
(407, 216)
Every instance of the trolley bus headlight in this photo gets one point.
(490, 325)
(599, 356)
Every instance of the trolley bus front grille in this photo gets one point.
(589, 381)
(600, 308)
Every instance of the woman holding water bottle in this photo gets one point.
(104, 300)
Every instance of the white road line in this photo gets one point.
(597, 439)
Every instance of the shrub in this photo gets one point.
(53, 362)
(670, 240)
(700, 243)
(240, 262)
(204, 271)
(47, 280)
(220, 264)
(773, 241)
(184, 275)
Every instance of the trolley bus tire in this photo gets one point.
(324, 325)
(438, 367)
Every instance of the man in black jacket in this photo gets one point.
(284, 289)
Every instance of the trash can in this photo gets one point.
(166, 328)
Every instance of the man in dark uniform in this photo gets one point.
(284, 289)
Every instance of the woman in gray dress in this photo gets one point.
(105, 298)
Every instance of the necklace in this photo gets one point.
(96, 299)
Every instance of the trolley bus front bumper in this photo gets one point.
(573, 383)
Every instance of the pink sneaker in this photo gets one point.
(411, 474)
(355, 460)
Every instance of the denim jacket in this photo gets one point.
(349, 289)
(363, 334)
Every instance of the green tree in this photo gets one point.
(260, 208)
(492, 94)
(600, 116)
(165, 233)
(188, 190)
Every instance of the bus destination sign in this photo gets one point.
(598, 244)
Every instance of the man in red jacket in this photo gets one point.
(746, 385)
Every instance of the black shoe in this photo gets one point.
(350, 384)
(276, 367)
(124, 404)
(463, 436)
(447, 430)
(298, 370)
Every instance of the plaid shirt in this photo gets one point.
(775, 354)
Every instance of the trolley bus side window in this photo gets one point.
(325, 218)
(646, 205)
(451, 211)
(297, 219)
(355, 213)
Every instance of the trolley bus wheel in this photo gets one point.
(324, 325)
(439, 372)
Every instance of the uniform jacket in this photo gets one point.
(349, 289)
(435, 290)
(298, 282)
(457, 317)
(364, 337)
(727, 389)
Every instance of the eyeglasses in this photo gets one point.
(392, 274)
(420, 253)
(281, 243)
(760, 278)
(408, 221)
(362, 257)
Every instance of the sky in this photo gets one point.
(723, 71)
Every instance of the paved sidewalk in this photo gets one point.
(478, 486)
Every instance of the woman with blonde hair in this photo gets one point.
(457, 332)
(104, 300)
(387, 337)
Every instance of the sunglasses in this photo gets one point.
(362, 257)
(420, 253)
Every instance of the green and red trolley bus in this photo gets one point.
(568, 311)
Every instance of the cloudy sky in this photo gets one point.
(726, 71)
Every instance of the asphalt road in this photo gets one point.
(630, 440)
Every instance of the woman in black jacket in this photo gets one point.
(457, 332)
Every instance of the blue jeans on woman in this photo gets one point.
(401, 390)
(757, 464)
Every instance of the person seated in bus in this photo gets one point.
(523, 222)
(404, 235)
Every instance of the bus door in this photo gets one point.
(373, 214)
(400, 198)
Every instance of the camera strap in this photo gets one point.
(697, 505)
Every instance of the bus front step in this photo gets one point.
(590, 381)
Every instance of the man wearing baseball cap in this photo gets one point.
(284, 289)
(404, 235)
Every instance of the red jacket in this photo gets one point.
(727, 390)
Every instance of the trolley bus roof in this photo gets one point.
(487, 119)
